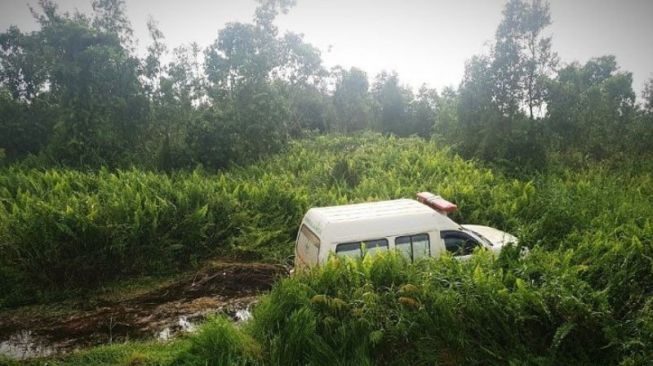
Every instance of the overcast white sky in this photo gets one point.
(423, 40)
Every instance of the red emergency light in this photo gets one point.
(436, 202)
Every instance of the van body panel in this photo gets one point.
(353, 225)
(371, 221)
(307, 248)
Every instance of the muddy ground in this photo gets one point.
(227, 288)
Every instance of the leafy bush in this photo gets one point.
(63, 228)
(549, 308)
(546, 309)
(218, 343)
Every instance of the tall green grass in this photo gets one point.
(548, 308)
(584, 296)
(65, 229)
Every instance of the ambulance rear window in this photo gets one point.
(308, 246)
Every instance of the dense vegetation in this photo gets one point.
(66, 229)
(583, 296)
(548, 309)
(117, 166)
(62, 228)
(86, 100)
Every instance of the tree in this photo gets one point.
(647, 95)
(179, 100)
(501, 91)
(643, 130)
(27, 110)
(25, 128)
(310, 108)
(424, 111)
(88, 77)
(238, 56)
(482, 123)
(153, 70)
(301, 78)
(247, 112)
(23, 72)
(523, 59)
(248, 53)
(252, 125)
(267, 12)
(110, 17)
(446, 126)
(392, 104)
(301, 62)
(591, 107)
(351, 100)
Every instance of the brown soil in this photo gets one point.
(218, 288)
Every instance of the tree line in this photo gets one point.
(75, 93)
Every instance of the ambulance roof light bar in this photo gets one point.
(436, 202)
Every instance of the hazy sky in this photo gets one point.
(423, 40)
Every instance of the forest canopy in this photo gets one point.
(75, 93)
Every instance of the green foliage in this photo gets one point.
(491, 123)
(219, 342)
(64, 229)
(592, 109)
(345, 171)
(544, 309)
(548, 308)
(68, 229)
(392, 104)
(24, 130)
(522, 60)
(582, 296)
(351, 100)
(424, 112)
(153, 353)
(74, 87)
(75, 93)
(647, 94)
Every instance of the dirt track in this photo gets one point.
(220, 288)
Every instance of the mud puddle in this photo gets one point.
(225, 288)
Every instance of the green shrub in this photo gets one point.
(62, 228)
(493, 311)
(219, 343)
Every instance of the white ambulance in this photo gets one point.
(414, 228)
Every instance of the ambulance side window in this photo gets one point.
(413, 247)
(349, 249)
(357, 249)
(458, 243)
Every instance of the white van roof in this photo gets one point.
(373, 220)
